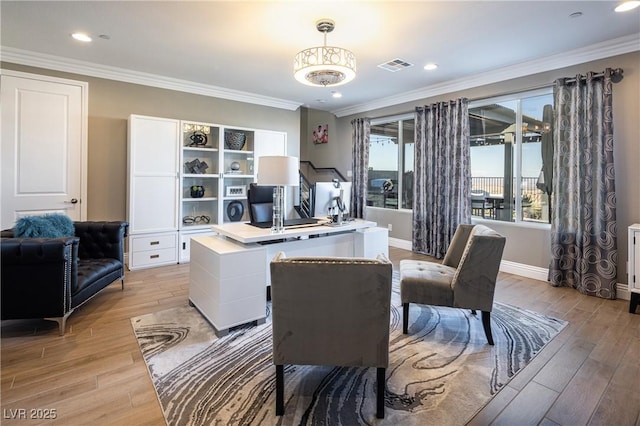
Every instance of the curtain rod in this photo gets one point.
(616, 77)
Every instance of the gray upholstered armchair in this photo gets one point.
(465, 279)
(331, 311)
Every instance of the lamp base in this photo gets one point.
(277, 226)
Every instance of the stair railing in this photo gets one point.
(309, 175)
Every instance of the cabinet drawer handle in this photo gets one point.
(154, 243)
(154, 256)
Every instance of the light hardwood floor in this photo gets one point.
(589, 374)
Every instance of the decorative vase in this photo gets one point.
(197, 191)
(234, 140)
(235, 210)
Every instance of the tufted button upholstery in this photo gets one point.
(413, 275)
(50, 277)
(101, 239)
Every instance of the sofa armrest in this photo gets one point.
(101, 239)
(37, 275)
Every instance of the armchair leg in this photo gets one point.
(381, 378)
(122, 282)
(279, 390)
(405, 318)
(486, 323)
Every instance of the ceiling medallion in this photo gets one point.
(324, 65)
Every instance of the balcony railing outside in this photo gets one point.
(535, 203)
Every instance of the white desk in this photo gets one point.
(246, 233)
(229, 272)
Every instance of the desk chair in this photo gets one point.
(260, 199)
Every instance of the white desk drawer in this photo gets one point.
(141, 259)
(150, 250)
(154, 242)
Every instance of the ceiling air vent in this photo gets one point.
(395, 65)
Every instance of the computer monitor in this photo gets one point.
(327, 196)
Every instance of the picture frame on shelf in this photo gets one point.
(236, 191)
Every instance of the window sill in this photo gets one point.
(530, 225)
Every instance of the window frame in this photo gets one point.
(516, 96)
(399, 118)
(517, 172)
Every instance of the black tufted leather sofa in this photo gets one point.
(50, 277)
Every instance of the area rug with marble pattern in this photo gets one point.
(441, 373)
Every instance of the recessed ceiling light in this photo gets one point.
(430, 67)
(336, 94)
(627, 6)
(81, 37)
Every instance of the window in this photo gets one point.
(391, 163)
(507, 135)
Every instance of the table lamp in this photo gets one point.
(279, 171)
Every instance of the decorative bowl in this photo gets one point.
(234, 140)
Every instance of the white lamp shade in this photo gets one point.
(278, 170)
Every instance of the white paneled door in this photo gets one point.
(44, 146)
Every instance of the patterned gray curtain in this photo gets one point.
(583, 225)
(442, 175)
(360, 132)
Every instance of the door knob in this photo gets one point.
(72, 201)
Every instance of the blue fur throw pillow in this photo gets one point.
(46, 226)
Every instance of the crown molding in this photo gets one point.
(602, 50)
(41, 60)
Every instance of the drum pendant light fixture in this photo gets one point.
(324, 66)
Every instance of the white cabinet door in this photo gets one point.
(269, 143)
(153, 174)
(44, 142)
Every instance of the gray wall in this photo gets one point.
(322, 155)
(111, 103)
(529, 245)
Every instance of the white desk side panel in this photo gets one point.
(227, 281)
(340, 245)
(370, 242)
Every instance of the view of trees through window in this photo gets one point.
(510, 145)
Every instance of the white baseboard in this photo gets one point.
(622, 291)
(534, 272)
(402, 244)
(528, 271)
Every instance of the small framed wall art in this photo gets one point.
(321, 134)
